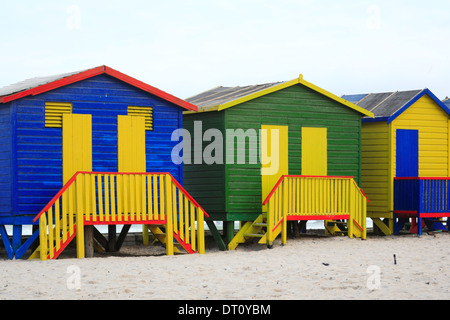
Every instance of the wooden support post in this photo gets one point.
(145, 235)
(17, 237)
(122, 236)
(216, 235)
(112, 238)
(100, 239)
(89, 241)
(228, 230)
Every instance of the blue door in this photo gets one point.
(407, 153)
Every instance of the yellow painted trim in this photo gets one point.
(284, 85)
(257, 94)
(335, 97)
(54, 113)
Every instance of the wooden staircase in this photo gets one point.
(336, 200)
(158, 231)
(336, 227)
(156, 200)
(254, 230)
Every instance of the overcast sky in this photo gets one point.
(186, 47)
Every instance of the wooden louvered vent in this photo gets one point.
(54, 112)
(146, 112)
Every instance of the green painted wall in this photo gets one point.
(295, 106)
(205, 182)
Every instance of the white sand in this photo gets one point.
(295, 271)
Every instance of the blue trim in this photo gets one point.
(414, 100)
(377, 119)
(6, 242)
(17, 220)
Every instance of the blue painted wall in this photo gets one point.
(39, 149)
(5, 160)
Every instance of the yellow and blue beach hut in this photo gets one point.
(405, 158)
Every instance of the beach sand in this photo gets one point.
(309, 267)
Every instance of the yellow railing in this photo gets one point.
(315, 198)
(96, 198)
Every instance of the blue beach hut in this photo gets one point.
(96, 121)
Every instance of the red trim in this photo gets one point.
(69, 183)
(94, 223)
(278, 224)
(188, 195)
(185, 245)
(422, 178)
(52, 202)
(364, 194)
(357, 224)
(95, 72)
(146, 87)
(435, 215)
(300, 176)
(405, 211)
(273, 190)
(337, 177)
(69, 239)
(319, 217)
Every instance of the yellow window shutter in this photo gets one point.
(54, 112)
(146, 112)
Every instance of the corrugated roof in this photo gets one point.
(384, 104)
(33, 83)
(220, 95)
(35, 86)
(353, 98)
(446, 101)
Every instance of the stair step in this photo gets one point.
(254, 235)
(260, 224)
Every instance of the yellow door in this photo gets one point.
(314, 151)
(274, 157)
(131, 144)
(131, 158)
(77, 144)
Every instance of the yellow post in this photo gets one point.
(352, 209)
(79, 221)
(192, 223)
(50, 233)
(145, 235)
(271, 207)
(57, 225)
(284, 210)
(200, 231)
(169, 217)
(364, 235)
(43, 236)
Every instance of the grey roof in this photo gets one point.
(383, 104)
(32, 83)
(220, 95)
(446, 101)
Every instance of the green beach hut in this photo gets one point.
(318, 134)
